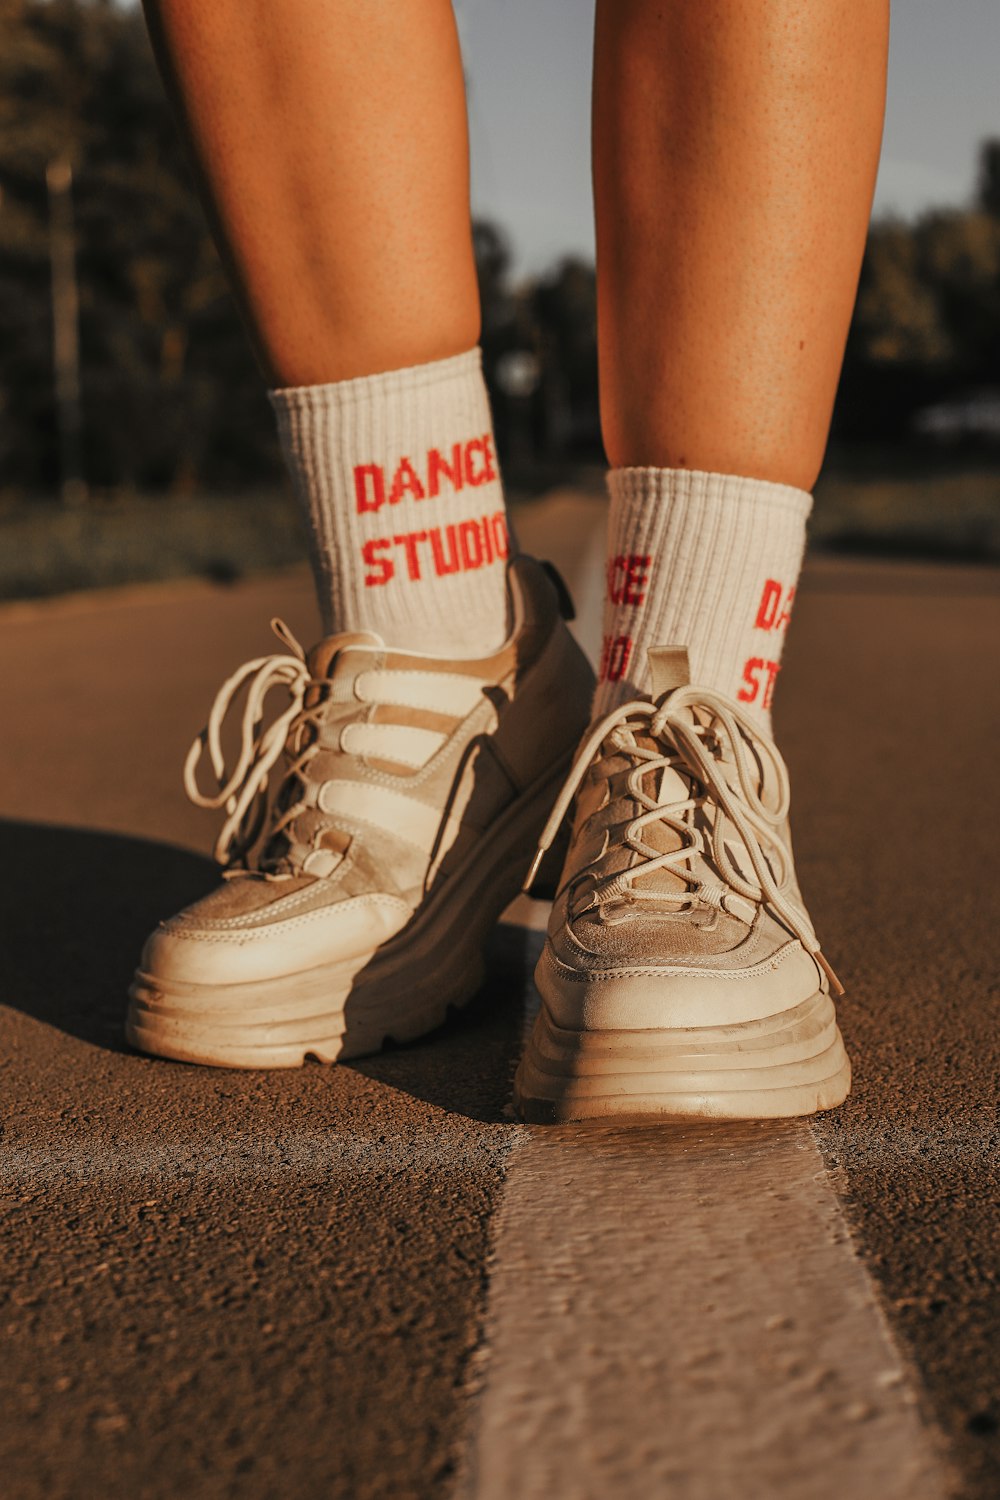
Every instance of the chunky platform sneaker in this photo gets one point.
(681, 975)
(412, 793)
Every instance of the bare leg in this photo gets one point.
(735, 150)
(331, 141)
(735, 147)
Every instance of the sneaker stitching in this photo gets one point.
(754, 971)
(209, 935)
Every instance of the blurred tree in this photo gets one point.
(492, 253)
(170, 393)
(927, 321)
(989, 177)
(897, 320)
(171, 396)
(960, 262)
(564, 311)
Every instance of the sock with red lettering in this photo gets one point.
(707, 561)
(398, 479)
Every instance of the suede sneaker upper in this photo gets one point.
(679, 878)
(390, 791)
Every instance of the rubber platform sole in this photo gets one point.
(785, 1065)
(339, 1011)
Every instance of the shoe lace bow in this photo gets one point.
(242, 791)
(702, 735)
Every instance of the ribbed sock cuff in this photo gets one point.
(707, 561)
(399, 485)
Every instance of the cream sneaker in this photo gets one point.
(412, 792)
(681, 975)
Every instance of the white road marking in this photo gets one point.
(679, 1311)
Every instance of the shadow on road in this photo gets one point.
(467, 1065)
(77, 906)
(221, 1283)
(80, 903)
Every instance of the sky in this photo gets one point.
(528, 68)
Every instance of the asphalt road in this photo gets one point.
(218, 1283)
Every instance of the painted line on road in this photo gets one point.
(273, 1157)
(679, 1310)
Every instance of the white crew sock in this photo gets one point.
(397, 476)
(707, 561)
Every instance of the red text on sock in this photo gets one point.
(470, 463)
(461, 547)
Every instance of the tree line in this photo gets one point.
(169, 395)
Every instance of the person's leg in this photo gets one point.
(735, 154)
(735, 151)
(331, 145)
(331, 142)
(414, 760)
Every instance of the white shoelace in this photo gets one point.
(243, 790)
(674, 724)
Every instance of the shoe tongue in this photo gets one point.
(322, 658)
(668, 786)
(664, 839)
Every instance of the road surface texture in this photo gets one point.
(369, 1280)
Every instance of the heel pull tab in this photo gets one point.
(566, 607)
(669, 668)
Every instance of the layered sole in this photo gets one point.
(339, 1011)
(779, 1066)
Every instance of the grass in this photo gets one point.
(936, 510)
(46, 549)
(953, 515)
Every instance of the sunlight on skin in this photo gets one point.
(332, 145)
(735, 156)
(736, 146)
